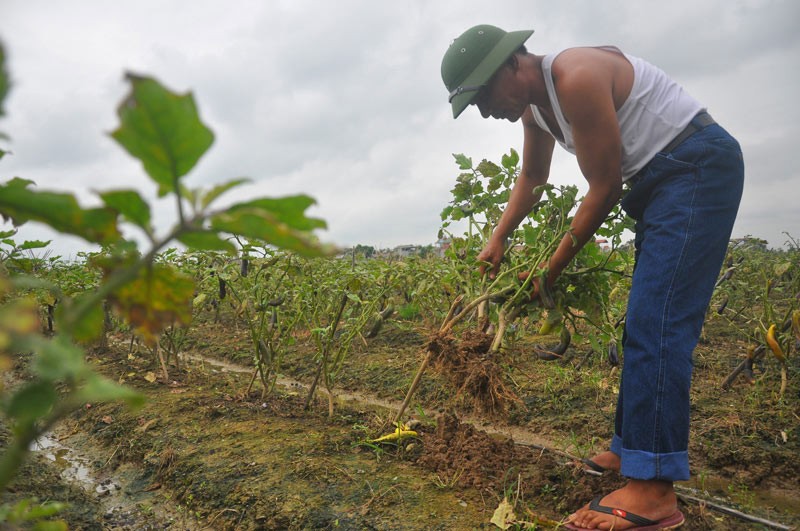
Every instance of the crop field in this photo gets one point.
(233, 372)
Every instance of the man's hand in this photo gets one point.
(540, 286)
(493, 254)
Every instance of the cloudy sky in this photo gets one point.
(344, 101)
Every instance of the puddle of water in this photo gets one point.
(122, 508)
(73, 467)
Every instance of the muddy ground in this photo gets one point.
(202, 455)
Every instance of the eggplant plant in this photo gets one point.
(580, 294)
(582, 291)
(758, 295)
(264, 294)
(341, 298)
(163, 131)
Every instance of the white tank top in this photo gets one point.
(656, 110)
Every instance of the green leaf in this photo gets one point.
(511, 160)
(488, 168)
(34, 244)
(206, 241)
(131, 205)
(5, 83)
(45, 510)
(58, 210)
(58, 359)
(264, 226)
(163, 130)
(446, 212)
(280, 222)
(99, 389)
(32, 402)
(464, 163)
(289, 210)
(220, 189)
(89, 328)
(53, 525)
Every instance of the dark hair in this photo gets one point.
(521, 50)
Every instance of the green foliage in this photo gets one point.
(164, 131)
(5, 82)
(760, 287)
(582, 291)
(58, 210)
(32, 514)
(280, 222)
(161, 129)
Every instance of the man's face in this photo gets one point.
(502, 97)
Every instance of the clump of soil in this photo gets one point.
(460, 454)
(473, 369)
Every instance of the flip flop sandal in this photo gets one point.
(642, 524)
(594, 467)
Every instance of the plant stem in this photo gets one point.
(325, 351)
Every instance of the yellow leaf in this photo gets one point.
(150, 377)
(504, 516)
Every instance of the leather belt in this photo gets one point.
(700, 121)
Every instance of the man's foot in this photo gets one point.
(603, 462)
(651, 500)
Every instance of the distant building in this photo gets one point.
(442, 245)
(405, 250)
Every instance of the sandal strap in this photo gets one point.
(634, 518)
(594, 466)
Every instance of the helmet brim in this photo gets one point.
(490, 64)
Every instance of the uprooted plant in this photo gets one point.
(581, 293)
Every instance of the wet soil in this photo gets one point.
(202, 449)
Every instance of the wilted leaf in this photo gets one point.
(18, 318)
(150, 377)
(200, 299)
(58, 210)
(161, 129)
(158, 298)
(503, 516)
(782, 268)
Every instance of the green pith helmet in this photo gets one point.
(473, 58)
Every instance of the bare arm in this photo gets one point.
(585, 93)
(537, 153)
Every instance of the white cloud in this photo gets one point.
(343, 101)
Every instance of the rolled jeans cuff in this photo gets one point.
(637, 464)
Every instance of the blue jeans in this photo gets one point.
(684, 204)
